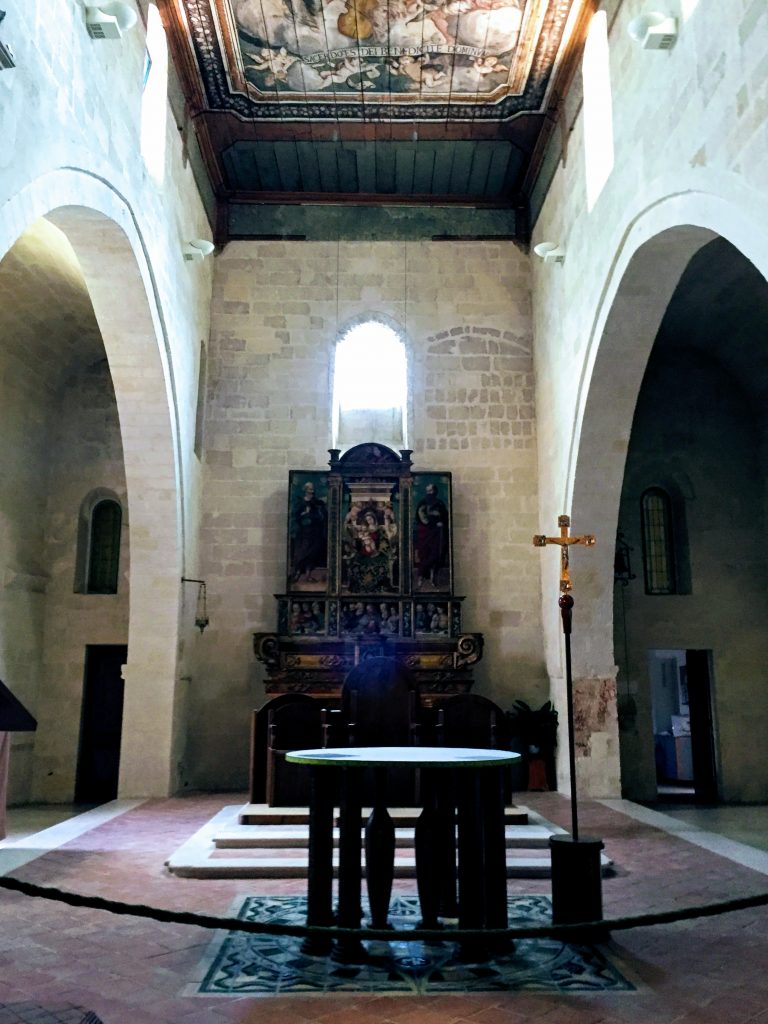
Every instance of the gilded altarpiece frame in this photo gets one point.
(369, 571)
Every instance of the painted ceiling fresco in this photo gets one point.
(427, 103)
(378, 60)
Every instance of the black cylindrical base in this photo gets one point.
(577, 893)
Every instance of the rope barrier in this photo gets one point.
(234, 924)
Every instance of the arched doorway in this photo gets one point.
(646, 273)
(691, 652)
(105, 246)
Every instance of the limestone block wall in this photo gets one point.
(715, 473)
(71, 121)
(23, 475)
(464, 309)
(61, 441)
(689, 145)
(85, 454)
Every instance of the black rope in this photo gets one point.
(560, 931)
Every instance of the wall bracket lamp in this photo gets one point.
(654, 31)
(550, 252)
(109, 19)
(197, 249)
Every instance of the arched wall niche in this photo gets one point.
(102, 229)
(654, 251)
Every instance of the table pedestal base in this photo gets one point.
(320, 866)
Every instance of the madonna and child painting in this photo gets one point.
(370, 542)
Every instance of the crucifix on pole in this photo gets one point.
(565, 542)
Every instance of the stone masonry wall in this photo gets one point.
(716, 477)
(70, 124)
(464, 309)
(689, 146)
(85, 455)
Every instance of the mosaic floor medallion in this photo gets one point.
(240, 964)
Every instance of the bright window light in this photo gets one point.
(370, 385)
(598, 108)
(154, 101)
(370, 368)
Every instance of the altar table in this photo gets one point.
(466, 780)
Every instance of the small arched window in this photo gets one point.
(97, 560)
(658, 542)
(370, 390)
(104, 547)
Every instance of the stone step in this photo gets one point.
(287, 837)
(296, 867)
(263, 814)
(215, 850)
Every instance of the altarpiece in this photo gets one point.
(369, 574)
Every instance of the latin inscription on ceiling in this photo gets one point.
(377, 60)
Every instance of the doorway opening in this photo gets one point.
(101, 724)
(683, 726)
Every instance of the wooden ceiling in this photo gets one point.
(424, 102)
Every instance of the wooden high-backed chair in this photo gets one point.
(267, 742)
(380, 707)
(292, 726)
(469, 720)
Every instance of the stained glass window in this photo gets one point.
(104, 548)
(658, 553)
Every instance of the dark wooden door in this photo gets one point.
(101, 724)
(702, 731)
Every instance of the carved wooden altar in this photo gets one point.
(369, 573)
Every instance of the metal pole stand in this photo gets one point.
(577, 878)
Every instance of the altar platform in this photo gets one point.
(258, 841)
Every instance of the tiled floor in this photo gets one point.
(132, 971)
(743, 823)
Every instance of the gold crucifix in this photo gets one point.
(541, 541)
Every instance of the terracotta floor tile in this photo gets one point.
(131, 971)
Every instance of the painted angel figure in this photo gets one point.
(276, 62)
(489, 65)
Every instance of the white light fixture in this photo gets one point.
(198, 249)
(550, 252)
(7, 57)
(654, 31)
(108, 20)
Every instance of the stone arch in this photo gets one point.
(655, 250)
(104, 234)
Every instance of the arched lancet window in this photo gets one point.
(104, 548)
(658, 542)
(154, 101)
(97, 564)
(370, 390)
(598, 108)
